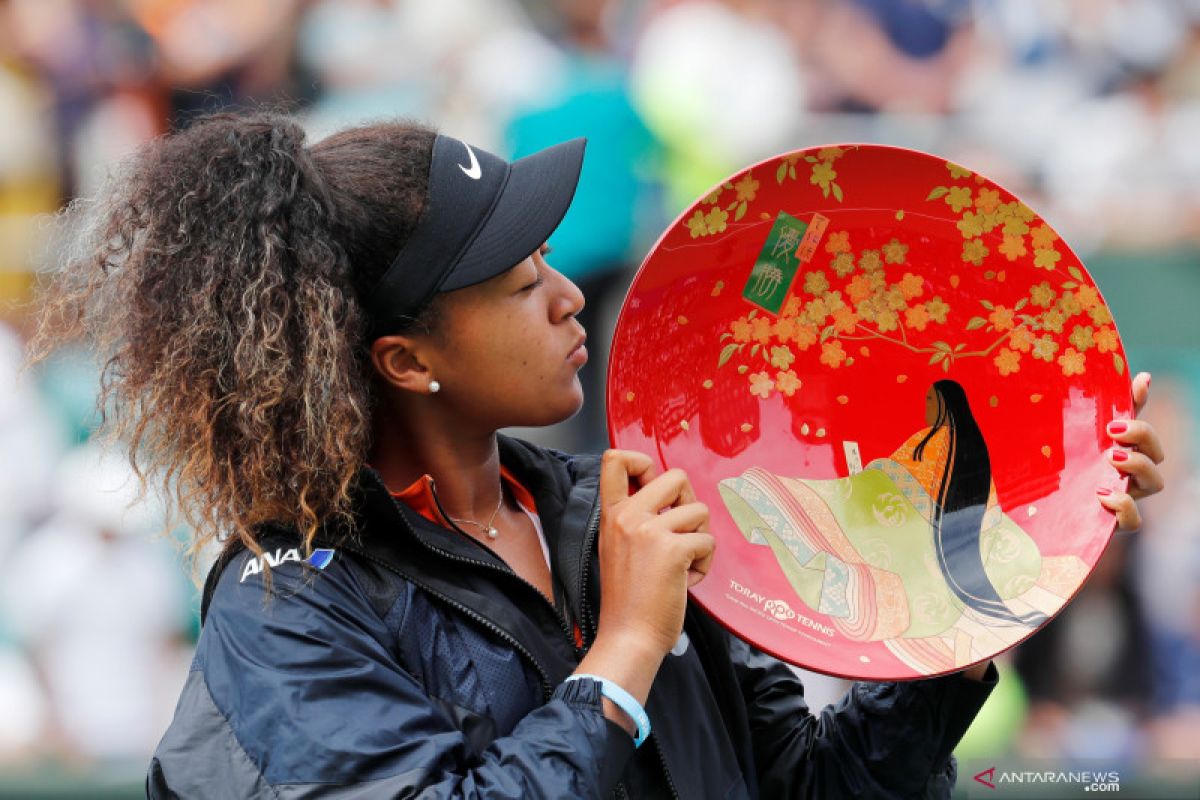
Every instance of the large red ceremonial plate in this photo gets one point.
(889, 379)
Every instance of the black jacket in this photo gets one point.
(413, 662)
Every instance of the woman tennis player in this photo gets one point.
(316, 345)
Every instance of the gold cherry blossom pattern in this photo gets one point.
(870, 294)
(716, 218)
(1071, 362)
(1007, 361)
(842, 264)
(880, 299)
(838, 242)
(863, 293)
(895, 252)
(1022, 340)
(974, 252)
(1053, 326)
(1044, 347)
(982, 212)
(833, 354)
(823, 174)
(782, 357)
(958, 172)
(1013, 247)
(1046, 258)
(712, 197)
(987, 201)
(959, 198)
(705, 224)
(1071, 314)
(745, 190)
(787, 382)
(866, 296)
(1083, 338)
(1106, 340)
(761, 384)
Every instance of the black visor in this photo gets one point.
(482, 217)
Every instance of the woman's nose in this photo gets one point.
(570, 299)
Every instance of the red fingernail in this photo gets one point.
(1120, 455)
(1117, 427)
(1104, 490)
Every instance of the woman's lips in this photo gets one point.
(579, 355)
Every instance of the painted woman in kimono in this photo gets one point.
(914, 550)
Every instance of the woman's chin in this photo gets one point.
(551, 411)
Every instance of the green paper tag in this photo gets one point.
(776, 264)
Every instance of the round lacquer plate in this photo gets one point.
(889, 379)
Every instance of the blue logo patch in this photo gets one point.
(320, 558)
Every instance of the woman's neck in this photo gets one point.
(465, 465)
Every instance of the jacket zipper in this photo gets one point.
(494, 567)
(547, 691)
(662, 758)
(588, 543)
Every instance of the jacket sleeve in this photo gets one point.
(885, 740)
(297, 695)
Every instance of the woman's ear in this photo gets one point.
(398, 362)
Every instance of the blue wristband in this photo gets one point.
(624, 701)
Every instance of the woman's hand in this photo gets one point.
(1137, 454)
(654, 545)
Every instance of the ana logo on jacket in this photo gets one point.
(319, 559)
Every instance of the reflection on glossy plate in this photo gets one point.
(889, 379)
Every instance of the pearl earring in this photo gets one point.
(434, 387)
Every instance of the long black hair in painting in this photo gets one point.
(960, 505)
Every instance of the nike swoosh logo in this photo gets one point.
(474, 172)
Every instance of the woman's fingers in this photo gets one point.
(1139, 435)
(1138, 454)
(1120, 503)
(648, 559)
(672, 488)
(1145, 477)
(700, 547)
(685, 518)
(621, 470)
(1141, 391)
(620, 467)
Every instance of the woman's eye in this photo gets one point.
(540, 280)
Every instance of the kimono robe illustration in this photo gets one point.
(860, 549)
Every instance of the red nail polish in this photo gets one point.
(1104, 490)
(1117, 427)
(1120, 455)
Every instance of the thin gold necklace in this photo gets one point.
(489, 529)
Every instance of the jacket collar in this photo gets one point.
(549, 476)
(462, 571)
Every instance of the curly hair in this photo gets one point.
(220, 277)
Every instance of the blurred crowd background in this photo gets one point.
(1087, 109)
